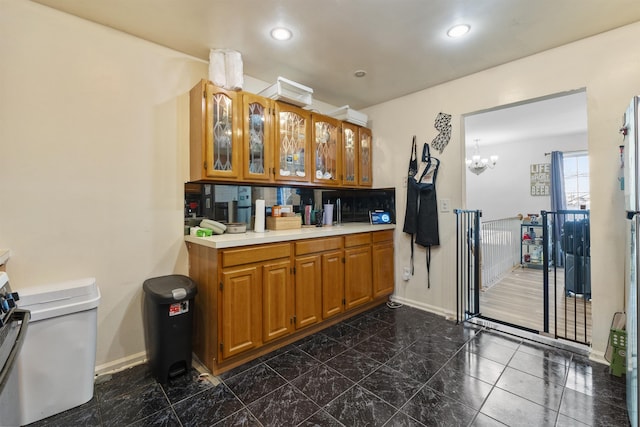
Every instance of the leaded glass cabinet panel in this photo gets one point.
(326, 138)
(365, 167)
(292, 145)
(214, 132)
(257, 137)
(349, 154)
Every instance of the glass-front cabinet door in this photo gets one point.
(214, 132)
(293, 126)
(349, 154)
(222, 131)
(326, 149)
(365, 148)
(257, 143)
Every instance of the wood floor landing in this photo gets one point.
(518, 299)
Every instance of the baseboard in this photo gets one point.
(422, 306)
(121, 364)
(598, 356)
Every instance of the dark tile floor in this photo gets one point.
(386, 367)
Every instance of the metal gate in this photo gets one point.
(467, 264)
(566, 278)
(567, 283)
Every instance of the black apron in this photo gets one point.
(421, 216)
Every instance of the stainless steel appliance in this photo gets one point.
(632, 201)
(13, 330)
(244, 205)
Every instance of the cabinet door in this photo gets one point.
(349, 154)
(277, 300)
(257, 143)
(293, 136)
(308, 290)
(222, 133)
(240, 328)
(357, 276)
(365, 148)
(383, 271)
(326, 137)
(332, 283)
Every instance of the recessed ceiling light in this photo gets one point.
(458, 30)
(360, 73)
(281, 33)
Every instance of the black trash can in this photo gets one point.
(168, 306)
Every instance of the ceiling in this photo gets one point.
(401, 44)
(563, 114)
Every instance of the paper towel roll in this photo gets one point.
(259, 223)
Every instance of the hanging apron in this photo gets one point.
(421, 216)
(410, 219)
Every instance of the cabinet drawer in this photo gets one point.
(357, 239)
(318, 245)
(252, 254)
(382, 236)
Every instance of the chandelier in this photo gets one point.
(478, 165)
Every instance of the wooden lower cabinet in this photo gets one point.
(332, 283)
(357, 270)
(240, 288)
(255, 299)
(383, 263)
(308, 290)
(277, 300)
(357, 276)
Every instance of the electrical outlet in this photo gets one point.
(445, 205)
(404, 181)
(406, 273)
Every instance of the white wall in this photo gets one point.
(609, 70)
(94, 135)
(94, 148)
(94, 128)
(504, 192)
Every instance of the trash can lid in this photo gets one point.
(59, 299)
(167, 289)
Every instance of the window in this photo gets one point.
(576, 180)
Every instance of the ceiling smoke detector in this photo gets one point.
(360, 73)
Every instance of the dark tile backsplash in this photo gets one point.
(356, 204)
(227, 203)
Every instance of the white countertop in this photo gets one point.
(5, 254)
(274, 236)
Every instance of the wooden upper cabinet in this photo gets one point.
(365, 148)
(215, 133)
(242, 137)
(293, 135)
(326, 143)
(257, 137)
(349, 154)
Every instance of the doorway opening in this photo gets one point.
(528, 278)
